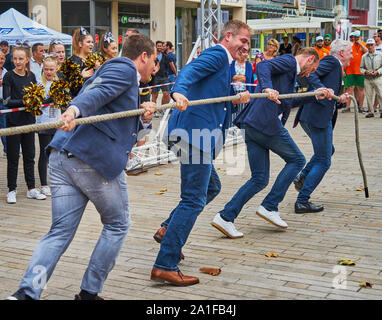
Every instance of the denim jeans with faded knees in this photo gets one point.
(73, 183)
(258, 147)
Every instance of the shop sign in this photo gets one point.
(127, 19)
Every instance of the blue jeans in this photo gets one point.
(73, 184)
(322, 140)
(258, 147)
(2, 126)
(200, 184)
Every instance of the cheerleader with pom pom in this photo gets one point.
(14, 83)
(49, 114)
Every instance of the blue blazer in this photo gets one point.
(320, 113)
(208, 76)
(103, 145)
(248, 76)
(262, 114)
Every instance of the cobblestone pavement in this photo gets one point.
(350, 227)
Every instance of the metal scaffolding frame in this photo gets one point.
(211, 16)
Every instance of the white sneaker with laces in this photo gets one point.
(45, 190)
(11, 197)
(35, 194)
(272, 217)
(226, 227)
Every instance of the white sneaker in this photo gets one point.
(35, 194)
(45, 190)
(11, 197)
(272, 217)
(228, 228)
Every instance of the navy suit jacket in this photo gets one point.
(103, 145)
(262, 114)
(208, 76)
(320, 113)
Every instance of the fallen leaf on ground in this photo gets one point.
(316, 221)
(211, 271)
(163, 190)
(346, 262)
(159, 193)
(158, 173)
(366, 284)
(271, 255)
(360, 189)
(353, 217)
(324, 231)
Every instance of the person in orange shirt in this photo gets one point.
(354, 79)
(327, 41)
(322, 52)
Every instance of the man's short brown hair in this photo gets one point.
(309, 51)
(234, 27)
(136, 44)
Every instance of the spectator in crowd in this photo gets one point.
(371, 67)
(327, 41)
(354, 79)
(38, 51)
(378, 42)
(8, 55)
(49, 114)
(13, 91)
(3, 71)
(162, 75)
(269, 53)
(242, 73)
(57, 47)
(322, 52)
(82, 46)
(108, 47)
(296, 45)
(285, 47)
(172, 70)
(380, 33)
(128, 33)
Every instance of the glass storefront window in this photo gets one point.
(71, 21)
(133, 16)
(21, 6)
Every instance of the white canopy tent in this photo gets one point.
(15, 26)
(288, 25)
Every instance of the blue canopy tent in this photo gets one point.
(15, 26)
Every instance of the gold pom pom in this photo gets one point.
(72, 73)
(93, 58)
(33, 98)
(60, 94)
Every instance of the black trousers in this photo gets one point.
(27, 143)
(44, 140)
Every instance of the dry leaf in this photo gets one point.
(360, 189)
(316, 221)
(158, 173)
(163, 190)
(324, 231)
(159, 193)
(346, 262)
(211, 271)
(271, 255)
(366, 284)
(353, 217)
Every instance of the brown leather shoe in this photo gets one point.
(159, 235)
(174, 277)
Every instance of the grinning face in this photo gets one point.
(147, 66)
(49, 69)
(111, 51)
(238, 44)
